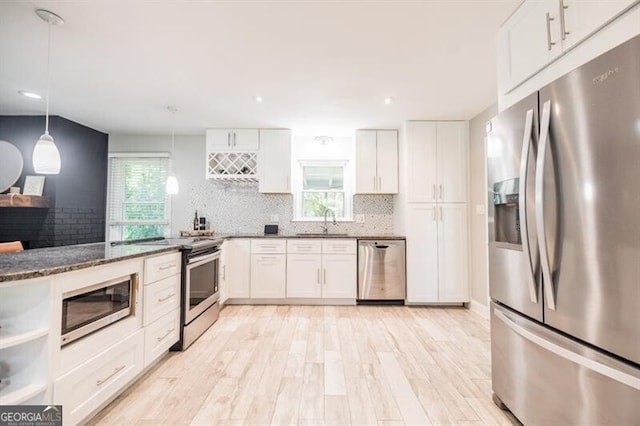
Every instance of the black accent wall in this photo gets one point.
(78, 194)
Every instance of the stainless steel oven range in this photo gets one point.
(200, 292)
(199, 283)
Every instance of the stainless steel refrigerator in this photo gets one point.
(564, 247)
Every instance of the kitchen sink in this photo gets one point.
(312, 234)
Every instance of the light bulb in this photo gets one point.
(46, 157)
(172, 185)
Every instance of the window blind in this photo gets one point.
(138, 203)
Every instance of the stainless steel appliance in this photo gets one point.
(564, 247)
(381, 271)
(201, 263)
(199, 290)
(91, 308)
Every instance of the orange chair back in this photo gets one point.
(12, 247)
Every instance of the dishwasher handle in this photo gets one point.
(380, 244)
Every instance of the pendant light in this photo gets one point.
(172, 180)
(46, 157)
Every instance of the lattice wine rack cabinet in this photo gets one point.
(240, 166)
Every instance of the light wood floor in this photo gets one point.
(322, 365)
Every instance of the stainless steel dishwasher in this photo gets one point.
(381, 271)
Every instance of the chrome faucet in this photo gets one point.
(325, 227)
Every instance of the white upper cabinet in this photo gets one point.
(387, 161)
(366, 157)
(582, 18)
(274, 161)
(542, 30)
(376, 162)
(219, 140)
(437, 161)
(527, 42)
(452, 161)
(422, 161)
(232, 154)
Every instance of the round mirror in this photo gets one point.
(10, 165)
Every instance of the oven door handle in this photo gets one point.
(199, 260)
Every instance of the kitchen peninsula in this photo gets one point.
(51, 361)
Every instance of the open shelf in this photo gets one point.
(8, 339)
(17, 396)
(19, 200)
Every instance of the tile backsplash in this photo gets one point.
(238, 208)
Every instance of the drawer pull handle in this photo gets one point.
(116, 371)
(162, 299)
(163, 268)
(161, 338)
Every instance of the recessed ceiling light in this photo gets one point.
(388, 101)
(29, 94)
(258, 99)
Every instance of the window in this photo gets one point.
(322, 189)
(138, 204)
(322, 177)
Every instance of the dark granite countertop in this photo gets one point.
(54, 260)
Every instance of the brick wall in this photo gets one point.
(77, 195)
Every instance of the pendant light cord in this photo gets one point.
(46, 125)
(173, 130)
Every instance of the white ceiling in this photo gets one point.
(116, 65)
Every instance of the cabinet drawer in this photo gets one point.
(159, 267)
(85, 388)
(304, 246)
(161, 335)
(269, 245)
(160, 298)
(338, 246)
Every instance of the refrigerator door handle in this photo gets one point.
(522, 197)
(568, 354)
(549, 290)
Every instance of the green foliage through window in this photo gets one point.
(138, 205)
(314, 204)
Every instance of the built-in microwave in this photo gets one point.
(94, 307)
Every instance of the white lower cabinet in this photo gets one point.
(85, 388)
(161, 298)
(161, 301)
(437, 261)
(161, 335)
(235, 278)
(339, 279)
(268, 276)
(321, 269)
(304, 275)
(268, 268)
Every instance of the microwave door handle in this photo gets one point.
(522, 200)
(540, 220)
